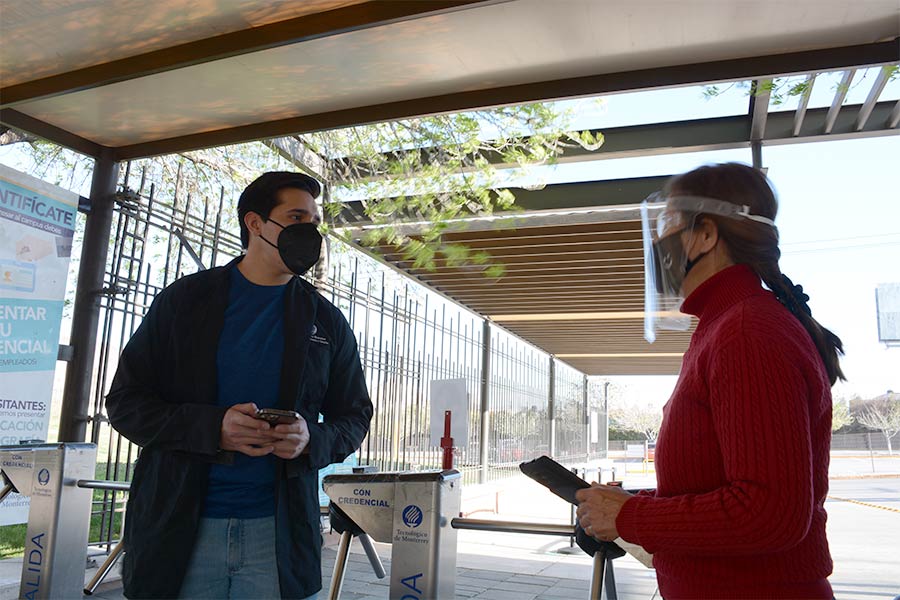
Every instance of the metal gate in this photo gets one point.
(407, 336)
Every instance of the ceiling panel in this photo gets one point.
(483, 47)
(576, 290)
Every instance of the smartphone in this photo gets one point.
(275, 416)
(558, 479)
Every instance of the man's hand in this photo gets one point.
(598, 507)
(293, 439)
(242, 432)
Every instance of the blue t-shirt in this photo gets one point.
(248, 361)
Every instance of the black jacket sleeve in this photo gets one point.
(140, 404)
(347, 408)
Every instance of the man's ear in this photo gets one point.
(253, 222)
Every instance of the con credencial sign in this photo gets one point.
(37, 224)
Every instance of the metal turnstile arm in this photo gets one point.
(597, 575)
(7, 490)
(340, 566)
(374, 559)
(104, 570)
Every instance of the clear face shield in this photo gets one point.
(664, 219)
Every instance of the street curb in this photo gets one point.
(867, 476)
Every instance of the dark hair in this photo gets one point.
(260, 195)
(756, 244)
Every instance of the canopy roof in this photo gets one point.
(126, 79)
(146, 79)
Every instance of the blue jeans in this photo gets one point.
(235, 559)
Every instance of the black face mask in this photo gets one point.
(668, 253)
(298, 245)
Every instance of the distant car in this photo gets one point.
(507, 450)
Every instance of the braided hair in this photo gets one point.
(756, 244)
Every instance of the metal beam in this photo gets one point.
(874, 93)
(74, 415)
(678, 137)
(804, 102)
(839, 95)
(611, 193)
(776, 65)
(319, 25)
(894, 118)
(760, 94)
(699, 135)
(61, 137)
(843, 127)
(299, 154)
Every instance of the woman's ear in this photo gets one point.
(706, 232)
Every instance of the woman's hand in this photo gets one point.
(598, 508)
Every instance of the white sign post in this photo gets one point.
(37, 224)
(449, 394)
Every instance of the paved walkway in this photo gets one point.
(863, 528)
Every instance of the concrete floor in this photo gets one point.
(863, 529)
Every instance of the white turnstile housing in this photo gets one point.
(412, 512)
(59, 517)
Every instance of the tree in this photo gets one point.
(431, 169)
(645, 420)
(840, 415)
(882, 414)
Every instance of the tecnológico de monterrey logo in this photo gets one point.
(412, 516)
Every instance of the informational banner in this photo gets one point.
(37, 224)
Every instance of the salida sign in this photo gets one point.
(33, 570)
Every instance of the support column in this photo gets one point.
(551, 407)
(605, 424)
(485, 400)
(74, 416)
(756, 151)
(587, 421)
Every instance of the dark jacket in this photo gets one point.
(163, 398)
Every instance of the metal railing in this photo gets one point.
(602, 577)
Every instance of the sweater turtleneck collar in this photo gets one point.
(722, 290)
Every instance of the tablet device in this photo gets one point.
(558, 479)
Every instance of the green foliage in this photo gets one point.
(783, 89)
(840, 415)
(434, 169)
(437, 170)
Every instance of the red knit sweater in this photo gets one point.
(742, 456)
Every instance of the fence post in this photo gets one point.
(869, 446)
(485, 399)
(551, 408)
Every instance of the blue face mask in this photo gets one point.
(298, 245)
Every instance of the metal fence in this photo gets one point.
(407, 335)
(840, 442)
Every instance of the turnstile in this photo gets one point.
(59, 517)
(412, 512)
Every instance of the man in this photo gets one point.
(223, 504)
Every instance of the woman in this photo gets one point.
(742, 455)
